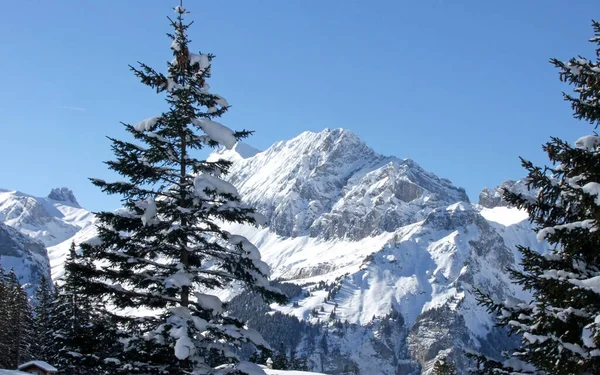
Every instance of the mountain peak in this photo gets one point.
(63, 194)
(491, 198)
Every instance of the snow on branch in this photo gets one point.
(588, 142)
(204, 182)
(217, 132)
(147, 124)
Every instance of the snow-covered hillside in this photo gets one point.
(26, 256)
(366, 235)
(52, 221)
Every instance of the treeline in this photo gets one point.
(59, 326)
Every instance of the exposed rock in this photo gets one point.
(26, 256)
(64, 195)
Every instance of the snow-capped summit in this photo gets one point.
(51, 220)
(491, 198)
(64, 195)
(330, 184)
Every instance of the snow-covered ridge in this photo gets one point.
(51, 220)
(54, 221)
(332, 185)
(26, 256)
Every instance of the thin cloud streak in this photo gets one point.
(71, 108)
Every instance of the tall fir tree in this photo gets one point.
(560, 327)
(43, 330)
(17, 337)
(5, 340)
(165, 249)
(83, 335)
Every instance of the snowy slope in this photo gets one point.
(51, 219)
(54, 221)
(384, 235)
(25, 255)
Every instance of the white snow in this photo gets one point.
(588, 142)
(504, 215)
(592, 188)
(291, 372)
(217, 132)
(41, 364)
(210, 302)
(149, 207)
(147, 124)
(202, 61)
(204, 182)
(593, 283)
(184, 347)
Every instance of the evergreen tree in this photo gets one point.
(444, 367)
(43, 330)
(280, 361)
(17, 329)
(560, 328)
(84, 338)
(5, 340)
(165, 248)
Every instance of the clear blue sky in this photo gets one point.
(461, 87)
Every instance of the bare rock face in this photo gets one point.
(63, 195)
(491, 198)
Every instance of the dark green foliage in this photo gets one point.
(83, 335)
(560, 328)
(165, 246)
(43, 313)
(280, 359)
(16, 323)
(444, 367)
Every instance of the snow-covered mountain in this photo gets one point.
(26, 256)
(51, 222)
(387, 255)
(331, 185)
(367, 235)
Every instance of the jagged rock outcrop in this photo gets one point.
(491, 198)
(64, 195)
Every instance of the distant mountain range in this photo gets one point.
(366, 237)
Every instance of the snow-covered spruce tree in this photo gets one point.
(156, 260)
(43, 330)
(560, 327)
(84, 337)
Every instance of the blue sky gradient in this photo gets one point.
(461, 87)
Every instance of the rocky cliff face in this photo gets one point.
(491, 198)
(26, 256)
